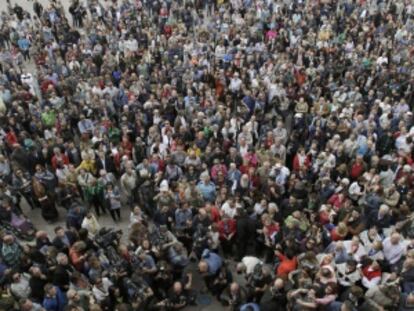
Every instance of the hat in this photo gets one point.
(278, 165)
(298, 115)
(345, 181)
(164, 185)
(28, 143)
(406, 168)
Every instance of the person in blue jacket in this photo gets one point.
(209, 267)
(55, 299)
(250, 307)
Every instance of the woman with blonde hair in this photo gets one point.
(340, 232)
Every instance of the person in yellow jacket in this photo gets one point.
(88, 164)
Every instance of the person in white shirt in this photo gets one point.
(20, 287)
(394, 248)
(247, 265)
(355, 248)
(229, 208)
(101, 289)
(369, 237)
(355, 190)
(347, 273)
(235, 83)
(91, 224)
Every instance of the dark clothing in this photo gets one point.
(61, 277)
(245, 231)
(63, 244)
(36, 285)
(277, 302)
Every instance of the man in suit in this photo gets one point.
(63, 240)
(104, 162)
(73, 154)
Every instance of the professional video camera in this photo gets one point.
(257, 274)
(158, 236)
(136, 289)
(107, 237)
(108, 240)
(200, 240)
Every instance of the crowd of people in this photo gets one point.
(270, 139)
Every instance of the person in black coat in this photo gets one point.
(37, 283)
(104, 162)
(244, 228)
(20, 156)
(61, 277)
(278, 300)
(73, 154)
(34, 158)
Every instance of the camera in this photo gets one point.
(257, 274)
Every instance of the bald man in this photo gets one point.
(234, 296)
(394, 249)
(278, 300)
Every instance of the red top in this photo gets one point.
(336, 201)
(335, 236)
(286, 265)
(215, 214)
(63, 158)
(370, 274)
(324, 218)
(11, 138)
(297, 165)
(356, 170)
(76, 260)
(226, 227)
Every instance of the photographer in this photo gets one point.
(177, 298)
(258, 282)
(137, 292)
(278, 300)
(162, 239)
(183, 225)
(163, 279)
(233, 297)
(209, 267)
(147, 265)
(200, 240)
(223, 279)
(177, 255)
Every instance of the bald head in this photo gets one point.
(279, 283)
(203, 266)
(241, 267)
(178, 287)
(234, 287)
(395, 238)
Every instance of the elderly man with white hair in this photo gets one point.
(394, 249)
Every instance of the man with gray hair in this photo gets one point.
(394, 249)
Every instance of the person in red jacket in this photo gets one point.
(288, 263)
(357, 168)
(371, 274)
(301, 160)
(77, 255)
(340, 232)
(59, 157)
(227, 231)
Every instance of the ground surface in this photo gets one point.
(105, 220)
